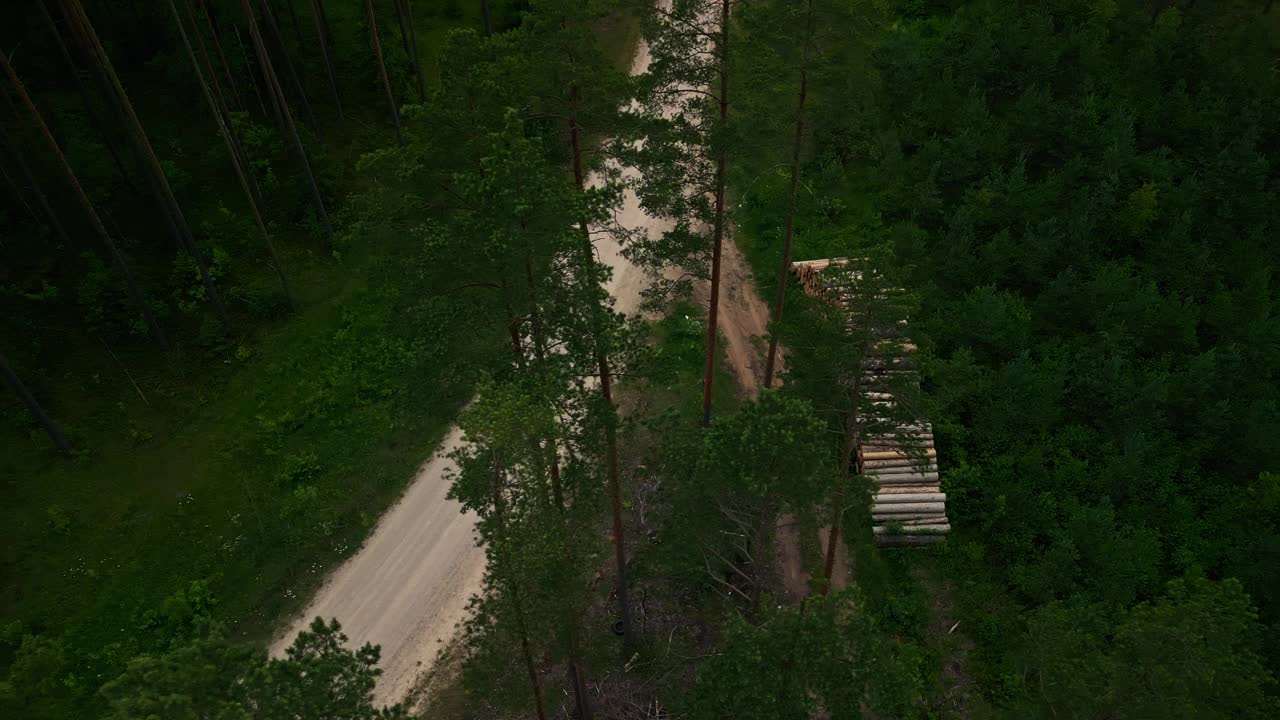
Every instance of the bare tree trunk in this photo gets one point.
(848, 444)
(222, 58)
(606, 390)
(784, 270)
(514, 588)
(140, 137)
(317, 15)
(289, 71)
(484, 14)
(713, 308)
(7, 146)
(293, 20)
(402, 14)
(258, 94)
(130, 281)
(218, 109)
(417, 56)
(46, 422)
(274, 85)
(84, 94)
(581, 700)
(382, 68)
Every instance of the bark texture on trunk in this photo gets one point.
(10, 148)
(322, 39)
(176, 218)
(135, 294)
(89, 107)
(222, 57)
(382, 69)
(713, 307)
(217, 108)
(606, 390)
(278, 93)
(848, 446)
(289, 70)
(46, 422)
(517, 604)
(788, 236)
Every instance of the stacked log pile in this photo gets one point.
(897, 450)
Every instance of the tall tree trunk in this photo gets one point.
(222, 57)
(848, 445)
(131, 282)
(292, 74)
(722, 161)
(587, 257)
(784, 270)
(256, 36)
(406, 36)
(8, 147)
(177, 218)
(322, 40)
(293, 20)
(46, 422)
(557, 495)
(417, 56)
(254, 84)
(484, 14)
(382, 68)
(514, 588)
(218, 109)
(84, 94)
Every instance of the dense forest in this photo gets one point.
(260, 260)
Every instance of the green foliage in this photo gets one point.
(1191, 653)
(213, 677)
(1079, 192)
(828, 653)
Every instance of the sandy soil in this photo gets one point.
(408, 587)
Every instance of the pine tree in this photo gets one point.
(173, 211)
(10, 148)
(277, 94)
(131, 283)
(322, 40)
(90, 107)
(382, 69)
(684, 160)
(217, 108)
(50, 427)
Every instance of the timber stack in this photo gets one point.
(896, 451)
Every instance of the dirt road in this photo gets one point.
(407, 588)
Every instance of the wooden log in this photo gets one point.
(907, 489)
(901, 470)
(927, 466)
(892, 498)
(911, 508)
(889, 454)
(931, 520)
(909, 539)
(913, 529)
(911, 443)
(905, 479)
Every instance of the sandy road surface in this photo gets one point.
(407, 588)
